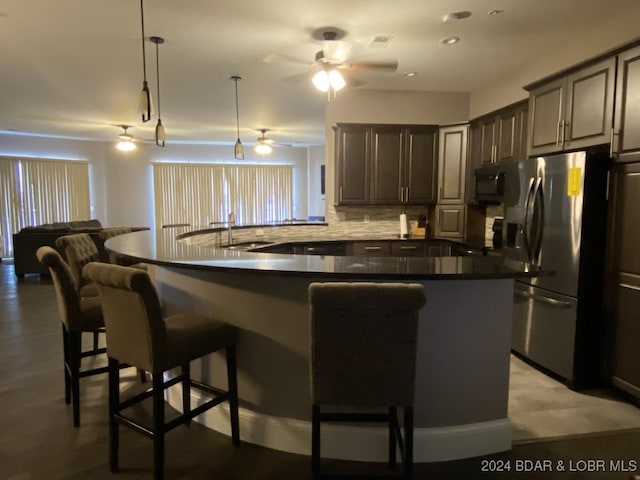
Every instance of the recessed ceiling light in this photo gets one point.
(410, 74)
(452, 17)
(449, 40)
(491, 13)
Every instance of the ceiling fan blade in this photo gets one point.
(281, 58)
(354, 81)
(380, 66)
(298, 78)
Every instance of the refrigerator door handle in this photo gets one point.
(526, 230)
(542, 298)
(538, 208)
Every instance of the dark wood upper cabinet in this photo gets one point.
(386, 164)
(473, 159)
(499, 136)
(452, 164)
(626, 140)
(353, 145)
(572, 111)
(421, 164)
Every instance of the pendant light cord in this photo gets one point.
(158, 76)
(237, 109)
(144, 55)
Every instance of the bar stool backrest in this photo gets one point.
(363, 342)
(136, 333)
(66, 293)
(79, 249)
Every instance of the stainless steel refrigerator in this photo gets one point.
(555, 217)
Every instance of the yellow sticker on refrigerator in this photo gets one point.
(574, 182)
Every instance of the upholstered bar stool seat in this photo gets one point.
(138, 334)
(78, 315)
(363, 359)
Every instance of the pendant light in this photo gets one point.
(160, 135)
(144, 105)
(238, 150)
(125, 141)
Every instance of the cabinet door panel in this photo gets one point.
(627, 124)
(421, 166)
(590, 105)
(545, 108)
(387, 154)
(623, 295)
(473, 160)
(352, 165)
(521, 137)
(450, 221)
(487, 141)
(452, 162)
(506, 136)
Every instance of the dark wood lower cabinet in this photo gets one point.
(623, 279)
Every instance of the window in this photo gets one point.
(36, 191)
(200, 194)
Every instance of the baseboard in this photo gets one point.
(347, 442)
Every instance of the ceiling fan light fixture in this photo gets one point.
(263, 148)
(125, 141)
(321, 80)
(336, 80)
(326, 79)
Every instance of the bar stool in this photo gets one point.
(138, 335)
(78, 315)
(363, 356)
(78, 249)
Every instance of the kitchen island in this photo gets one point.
(462, 377)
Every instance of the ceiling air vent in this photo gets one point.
(380, 41)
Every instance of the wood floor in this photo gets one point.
(38, 441)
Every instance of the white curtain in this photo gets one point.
(36, 191)
(200, 194)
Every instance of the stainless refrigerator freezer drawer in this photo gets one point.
(544, 328)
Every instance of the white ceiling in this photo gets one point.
(73, 68)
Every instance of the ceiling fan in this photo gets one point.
(264, 144)
(333, 67)
(126, 141)
(334, 58)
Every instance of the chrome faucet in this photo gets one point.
(230, 224)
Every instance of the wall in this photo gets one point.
(122, 184)
(508, 88)
(315, 197)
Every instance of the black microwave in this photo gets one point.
(489, 184)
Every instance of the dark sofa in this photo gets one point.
(29, 239)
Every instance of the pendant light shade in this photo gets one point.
(238, 150)
(160, 134)
(145, 107)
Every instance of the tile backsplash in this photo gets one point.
(493, 211)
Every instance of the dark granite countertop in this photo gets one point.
(161, 247)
